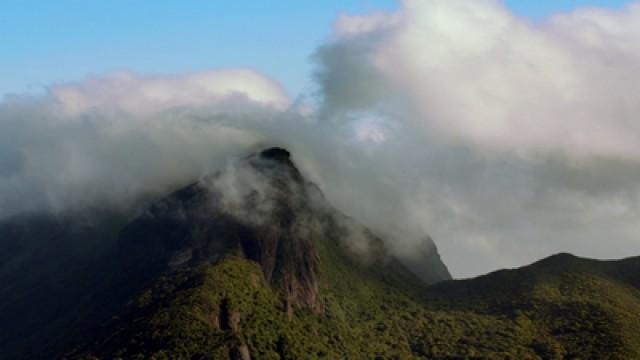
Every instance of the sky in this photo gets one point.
(505, 131)
(45, 42)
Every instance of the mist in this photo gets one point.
(503, 139)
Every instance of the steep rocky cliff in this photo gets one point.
(259, 208)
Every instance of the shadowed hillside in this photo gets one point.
(562, 307)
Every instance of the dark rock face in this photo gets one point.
(259, 208)
(227, 319)
(241, 352)
(276, 153)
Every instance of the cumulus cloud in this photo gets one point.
(475, 73)
(505, 139)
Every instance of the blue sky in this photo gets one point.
(44, 42)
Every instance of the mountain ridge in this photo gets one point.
(563, 314)
(273, 219)
(251, 261)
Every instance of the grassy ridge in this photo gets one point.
(562, 307)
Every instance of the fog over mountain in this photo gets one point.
(502, 139)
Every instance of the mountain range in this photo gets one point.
(253, 262)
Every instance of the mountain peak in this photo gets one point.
(276, 153)
(260, 208)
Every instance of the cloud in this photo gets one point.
(506, 140)
(475, 73)
(503, 139)
(115, 139)
(132, 93)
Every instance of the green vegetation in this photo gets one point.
(561, 308)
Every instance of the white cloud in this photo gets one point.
(110, 140)
(354, 25)
(144, 94)
(512, 140)
(475, 73)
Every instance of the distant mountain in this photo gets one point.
(252, 262)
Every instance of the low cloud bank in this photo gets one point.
(112, 139)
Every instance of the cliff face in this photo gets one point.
(259, 208)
